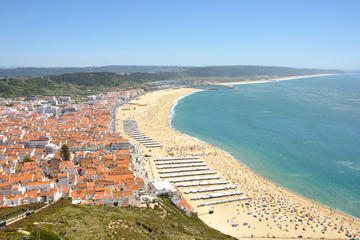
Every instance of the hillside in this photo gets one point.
(208, 71)
(87, 83)
(62, 220)
(10, 212)
(249, 71)
(77, 84)
(43, 71)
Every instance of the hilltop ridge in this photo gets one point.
(94, 82)
(209, 71)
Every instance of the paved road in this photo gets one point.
(23, 215)
(139, 164)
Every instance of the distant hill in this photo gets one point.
(244, 71)
(42, 71)
(78, 84)
(209, 71)
(87, 83)
(62, 220)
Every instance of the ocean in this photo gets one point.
(303, 134)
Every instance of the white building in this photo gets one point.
(64, 99)
(163, 187)
(47, 109)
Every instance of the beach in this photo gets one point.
(272, 79)
(273, 211)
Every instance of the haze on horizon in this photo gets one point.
(310, 34)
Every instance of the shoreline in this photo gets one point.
(277, 185)
(289, 191)
(273, 79)
(242, 176)
(172, 110)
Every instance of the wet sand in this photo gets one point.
(272, 212)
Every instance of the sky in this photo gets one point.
(64, 33)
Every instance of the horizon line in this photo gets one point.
(180, 66)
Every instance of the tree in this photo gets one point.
(27, 159)
(64, 153)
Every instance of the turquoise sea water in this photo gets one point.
(303, 134)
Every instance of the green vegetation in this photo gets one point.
(251, 71)
(9, 212)
(27, 159)
(77, 84)
(41, 71)
(88, 83)
(67, 221)
(64, 153)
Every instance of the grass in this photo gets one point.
(9, 212)
(62, 220)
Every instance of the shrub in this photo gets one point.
(27, 159)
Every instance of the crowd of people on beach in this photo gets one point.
(193, 149)
(271, 212)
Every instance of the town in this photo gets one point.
(54, 147)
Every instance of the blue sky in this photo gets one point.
(324, 34)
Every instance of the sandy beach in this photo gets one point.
(272, 79)
(272, 211)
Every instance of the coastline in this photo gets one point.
(172, 110)
(237, 172)
(277, 185)
(287, 190)
(273, 79)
